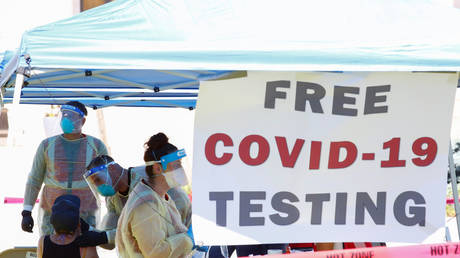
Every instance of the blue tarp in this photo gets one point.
(164, 44)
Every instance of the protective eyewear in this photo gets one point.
(71, 112)
(168, 158)
(97, 169)
(99, 180)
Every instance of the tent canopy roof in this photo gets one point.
(158, 45)
(331, 35)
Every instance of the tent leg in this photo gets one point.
(103, 129)
(17, 89)
(453, 181)
(2, 104)
(448, 237)
(15, 108)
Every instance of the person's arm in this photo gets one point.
(88, 252)
(92, 238)
(109, 225)
(35, 179)
(33, 185)
(40, 247)
(148, 229)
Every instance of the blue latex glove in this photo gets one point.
(203, 248)
(190, 234)
(199, 248)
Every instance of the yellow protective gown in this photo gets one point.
(183, 204)
(60, 163)
(151, 226)
(116, 203)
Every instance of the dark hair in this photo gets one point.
(99, 161)
(78, 105)
(156, 147)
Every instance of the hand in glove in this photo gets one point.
(199, 248)
(190, 234)
(203, 248)
(27, 221)
(92, 238)
(83, 226)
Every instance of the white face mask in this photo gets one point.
(176, 178)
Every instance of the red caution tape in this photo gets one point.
(443, 250)
(13, 200)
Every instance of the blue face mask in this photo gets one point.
(67, 125)
(106, 190)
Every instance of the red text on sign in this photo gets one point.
(425, 149)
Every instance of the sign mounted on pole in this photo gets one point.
(285, 157)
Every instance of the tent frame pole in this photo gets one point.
(15, 107)
(135, 84)
(453, 180)
(2, 104)
(76, 74)
(146, 100)
(101, 74)
(18, 88)
(179, 74)
(177, 85)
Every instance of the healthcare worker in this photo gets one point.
(59, 163)
(124, 180)
(150, 225)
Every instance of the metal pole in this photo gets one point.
(102, 128)
(14, 113)
(448, 237)
(18, 89)
(2, 104)
(453, 181)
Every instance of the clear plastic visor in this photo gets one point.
(174, 162)
(98, 176)
(71, 115)
(168, 158)
(71, 110)
(70, 120)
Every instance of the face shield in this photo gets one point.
(175, 167)
(100, 182)
(71, 119)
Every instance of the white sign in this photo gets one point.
(286, 157)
